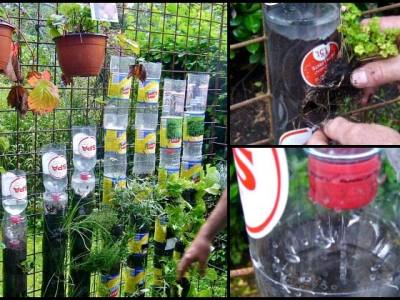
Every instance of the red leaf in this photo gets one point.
(17, 97)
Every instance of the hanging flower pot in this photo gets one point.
(81, 54)
(6, 31)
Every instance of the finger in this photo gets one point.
(349, 133)
(376, 73)
(185, 262)
(338, 129)
(202, 267)
(318, 138)
(385, 22)
(367, 93)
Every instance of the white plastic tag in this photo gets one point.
(263, 180)
(297, 136)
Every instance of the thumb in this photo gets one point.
(349, 133)
(377, 73)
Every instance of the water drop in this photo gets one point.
(334, 287)
(324, 286)
(293, 258)
(276, 259)
(274, 245)
(376, 267)
(305, 242)
(372, 277)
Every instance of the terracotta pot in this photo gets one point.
(81, 54)
(6, 31)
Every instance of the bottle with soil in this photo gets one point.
(336, 238)
(302, 40)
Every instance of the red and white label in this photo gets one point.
(87, 147)
(58, 167)
(18, 188)
(315, 62)
(296, 137)
(263, 179)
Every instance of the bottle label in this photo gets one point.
(171, 133)
(193, 128)
(109, 185)
(115, 141)
(263, 180)
(139, 244)
(133, 276)
(191, 169)
(315, 62)
(119, 86)
(145, 141)
(87, 147)
(148, 91)
(297, 136)
(110, 285)
(58, 167)
(18, 189)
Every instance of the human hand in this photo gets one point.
(199, 251)
(374, 74)
(348, 133)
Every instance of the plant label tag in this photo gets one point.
(263, 179)
(170, 244)
(315, 62)
(297, 136)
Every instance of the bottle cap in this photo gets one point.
(343, 184)
(56, 197)
(15, 219)
(85, 175)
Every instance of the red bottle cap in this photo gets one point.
(85, 175)
(56, 197)
(343, 185)
(15, 219)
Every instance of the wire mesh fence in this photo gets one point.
(184, 37)
(266, 98)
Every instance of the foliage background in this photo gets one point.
(184, 37)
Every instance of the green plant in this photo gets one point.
(246, 20)
(366, 40)
(73, 18)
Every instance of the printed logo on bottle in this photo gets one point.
(18, 188)
(58, 167)
(87, 147)
(263, 179)
(315, 62)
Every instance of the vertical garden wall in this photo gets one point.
(184, 37)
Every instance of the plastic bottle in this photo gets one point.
(337, 238)
(14, 230)
(170, 157)
(84, 147)
(191, 168)
(147, 99)
(302, 40)
(14, 192)
(173, 97)
(55, 203)
(197, 89)
(83, 183)
(145, 146)
(54, 167)
(116, 114)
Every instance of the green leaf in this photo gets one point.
(252, 48)
(232, 54)
(253, 23)
(241, 33)
(236, 21)
(255, 58)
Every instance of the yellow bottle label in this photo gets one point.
(191, 169)
(160, 232)
(109, 185)
(109, 286)
(119, 85)
(115, 141)
(136, 243)
(145, 141)
(193, 127)
(132, 278)
(171, 132)
(148, 91)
